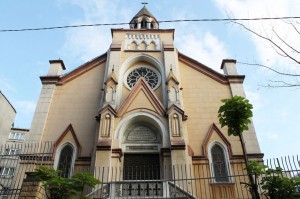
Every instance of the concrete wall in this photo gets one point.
(7, 116)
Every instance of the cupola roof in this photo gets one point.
(144, 15)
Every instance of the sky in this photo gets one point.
(24, 56)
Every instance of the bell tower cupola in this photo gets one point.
(144, 20)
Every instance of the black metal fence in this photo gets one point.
(18, 158)
(168, 181)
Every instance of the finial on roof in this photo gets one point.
(113, 68)
(171, 68)
(144, 19)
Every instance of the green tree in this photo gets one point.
(273, 182)
(57, 187)
(235, 113)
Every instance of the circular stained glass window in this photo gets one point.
(150, 75)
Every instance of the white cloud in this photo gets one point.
(205, 46)
(25, 108)
(272, 136)
(83, 44)
(257, 8)
(255, 99)
(6, 86)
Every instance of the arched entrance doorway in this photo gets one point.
(142, 142)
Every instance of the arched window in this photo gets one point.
(152, 46)
(144, 24)
(143, 46)
(133, 46)
(219, 164)
(66, 160)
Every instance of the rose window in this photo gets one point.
(151, 76)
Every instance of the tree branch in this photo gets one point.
(284, 41)
(271, 69)
(269, 40)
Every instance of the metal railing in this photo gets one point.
(173, 181)
(18, 158)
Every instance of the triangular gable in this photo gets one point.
(112, 77)
(172, 77)
(214, 129)
(69, 130)
(203, 69)
(142, 89)
(108, 108)
(82, 69)
(178, 110)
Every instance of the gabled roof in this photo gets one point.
(221, 78)
(143, 11)
(202, 68)
(142, 87)
(82, 69)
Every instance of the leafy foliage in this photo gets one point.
(235, 114)
(274, 184)
(63, 188)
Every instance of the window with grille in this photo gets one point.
(17, 136)
(141, 167)
(7, 172)
(12, 151)
(65, 161)
(219, 164)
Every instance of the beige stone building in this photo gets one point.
(141, 107)
(7, 117)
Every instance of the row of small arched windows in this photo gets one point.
(142, 46)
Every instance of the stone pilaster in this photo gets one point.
(44, 103)
(236, 85)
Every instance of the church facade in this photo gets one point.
(141, 103)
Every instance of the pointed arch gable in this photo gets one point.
(213, 128)
(68, 130)
(142, 86)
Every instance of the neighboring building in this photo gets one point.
(7, 117)
(11, 145)
(139, 108)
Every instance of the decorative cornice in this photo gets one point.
(202, 68)
(118, 153)
(236, 78)
(214, 128)
(177, 144)
(234, 157)
(104, 145)
(115, 47)
(168, 47)
(227, 61)
(49, 79)
(250, 155)
(144, 31)
(143, 86)
(58, 61)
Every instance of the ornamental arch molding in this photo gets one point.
(142, 120)
(141, 57)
